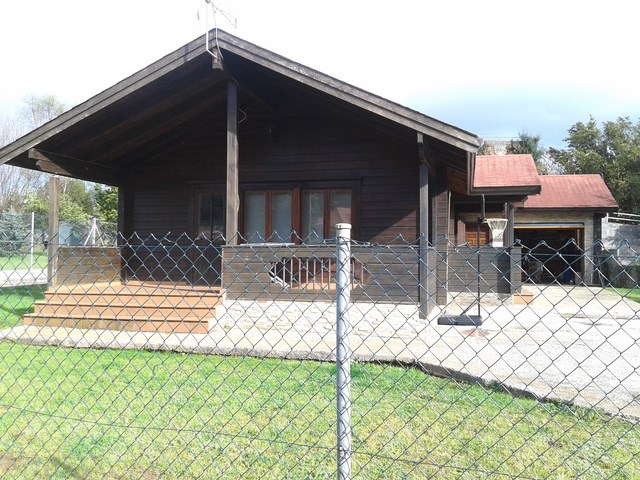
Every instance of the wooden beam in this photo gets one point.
(46, 165)
(131, 84)
(120, 143)
(73, 167)
(424, 200)
(424, 152)
(471, 171)
(232, 197)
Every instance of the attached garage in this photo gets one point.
(560, 229)
(557, 219)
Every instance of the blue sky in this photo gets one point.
(494, 67)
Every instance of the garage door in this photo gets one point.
(551, 252)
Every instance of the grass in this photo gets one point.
(18, 262)
(136, 414)
(628, 293)
(16, 301)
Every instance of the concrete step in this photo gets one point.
(106, 310)
(162, 325)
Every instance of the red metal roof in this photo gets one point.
(573, 191)
(505, 171)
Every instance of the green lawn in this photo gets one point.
(135, 414)
(628, 293)
(17, 262)
(80, 413)
(16, 301)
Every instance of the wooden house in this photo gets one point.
(227, 144)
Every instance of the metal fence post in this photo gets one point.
(32, 239)
(54, 231)
(343, 350)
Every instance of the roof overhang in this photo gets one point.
(505, 186)
(564, 209)
(55, 144)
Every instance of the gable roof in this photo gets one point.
(89, 140)
(586, 192)
(505, 174)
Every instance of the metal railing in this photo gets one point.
(171, 357)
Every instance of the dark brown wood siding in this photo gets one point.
(161, 211)
(387, 274)
(294, 150)
(500, 270)
(159, 247)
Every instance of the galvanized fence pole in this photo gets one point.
(343, 350)
(32, 239)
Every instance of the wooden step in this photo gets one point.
(134, 306)
(140, 301)
(523, 297)
(141, 297)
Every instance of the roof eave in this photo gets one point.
(572, 209)
(103, 99)
(510, 190)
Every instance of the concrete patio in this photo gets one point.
(23, 277)
(578, 345)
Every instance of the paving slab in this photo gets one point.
(23, 277)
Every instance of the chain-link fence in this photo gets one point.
(22, 240)
(171, 357)
(22, 233)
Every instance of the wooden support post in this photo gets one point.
(125, 228)
(439, 238)
(426, 300)
(233, 199)
(54, 237)
(509, 237)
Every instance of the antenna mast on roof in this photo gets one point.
(215, 10)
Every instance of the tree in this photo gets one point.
(13, 234)
(612, 151)
(527, 143)
(75, 201)
(487, 148)
(38, 110)
(107, 203)
(16, 184)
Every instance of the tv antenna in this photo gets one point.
(215, 11)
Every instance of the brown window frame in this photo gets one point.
(268, 226)
(326, 214)
(296, 205)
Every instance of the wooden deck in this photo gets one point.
(131, 306)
